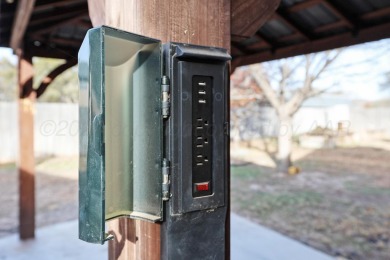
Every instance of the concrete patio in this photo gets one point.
(249, 241)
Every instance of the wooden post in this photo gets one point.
(26, 148)
(202, 22)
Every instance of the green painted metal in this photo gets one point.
(120, 130)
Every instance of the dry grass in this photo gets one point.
(56, 194)
(339, 203)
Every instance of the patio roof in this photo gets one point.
(56, 28)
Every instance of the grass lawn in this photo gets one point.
(339, 203)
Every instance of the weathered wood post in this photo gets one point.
(26, 148)
(199, 22)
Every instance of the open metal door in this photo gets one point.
(120, 130)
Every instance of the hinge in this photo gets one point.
(166, 182)
(166, 99)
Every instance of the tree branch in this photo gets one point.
(265, 85)
(328, 61)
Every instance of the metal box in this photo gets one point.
(153, 138)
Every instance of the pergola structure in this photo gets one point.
(254, 31)
(261, 30)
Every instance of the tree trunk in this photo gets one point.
(284, 143)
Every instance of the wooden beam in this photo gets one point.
(303, 5)
(261, 38)
(57, 4)
(200, 22)
(330, 26)
(262, 43)
(55, 41)
(57, 18)
(376, 14)
(22, 17)
(53, 74)
(75, 43)
(290, 24)
(337, 12)
(46, 51)
(247, 16)
(289, 37)
(236, 50)
(26, 150)
(46, 29)
(257, 45)
(338, 41)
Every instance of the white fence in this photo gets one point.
(256, 121)
(55, 130)
(56, 125)
(370, 119)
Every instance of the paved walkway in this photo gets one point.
(249, 241)
(252, 241)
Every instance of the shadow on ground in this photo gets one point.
(56, 198)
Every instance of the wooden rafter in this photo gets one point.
(376, 14)
(247, 16)
(45, 50)
(50, 28)
(303, 5)
(76, 43)
(67, 42)
(266, 39)
(330, 26)
(235, 50)
(290, 24)
(289, 37)
(53, 74)
(258, 45)
(339, 14)
(21, 19)
(54, 19)
(337, 41)
(261, 38)
(329, 5)
(57, 4)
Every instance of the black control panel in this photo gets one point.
(197, 148)
(202, 133)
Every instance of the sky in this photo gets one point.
(363, 67)
(7, 52)
(362, 70)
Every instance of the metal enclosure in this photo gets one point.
(194, 226)
(120, 130)
(154, 136)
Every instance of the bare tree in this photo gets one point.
(287, 84)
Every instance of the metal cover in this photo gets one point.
(120, 130)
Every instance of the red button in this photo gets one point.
(204, 186)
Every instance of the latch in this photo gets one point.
(166, 102)
(165, 180)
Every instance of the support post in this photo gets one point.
(26, 149)
(201, 22)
